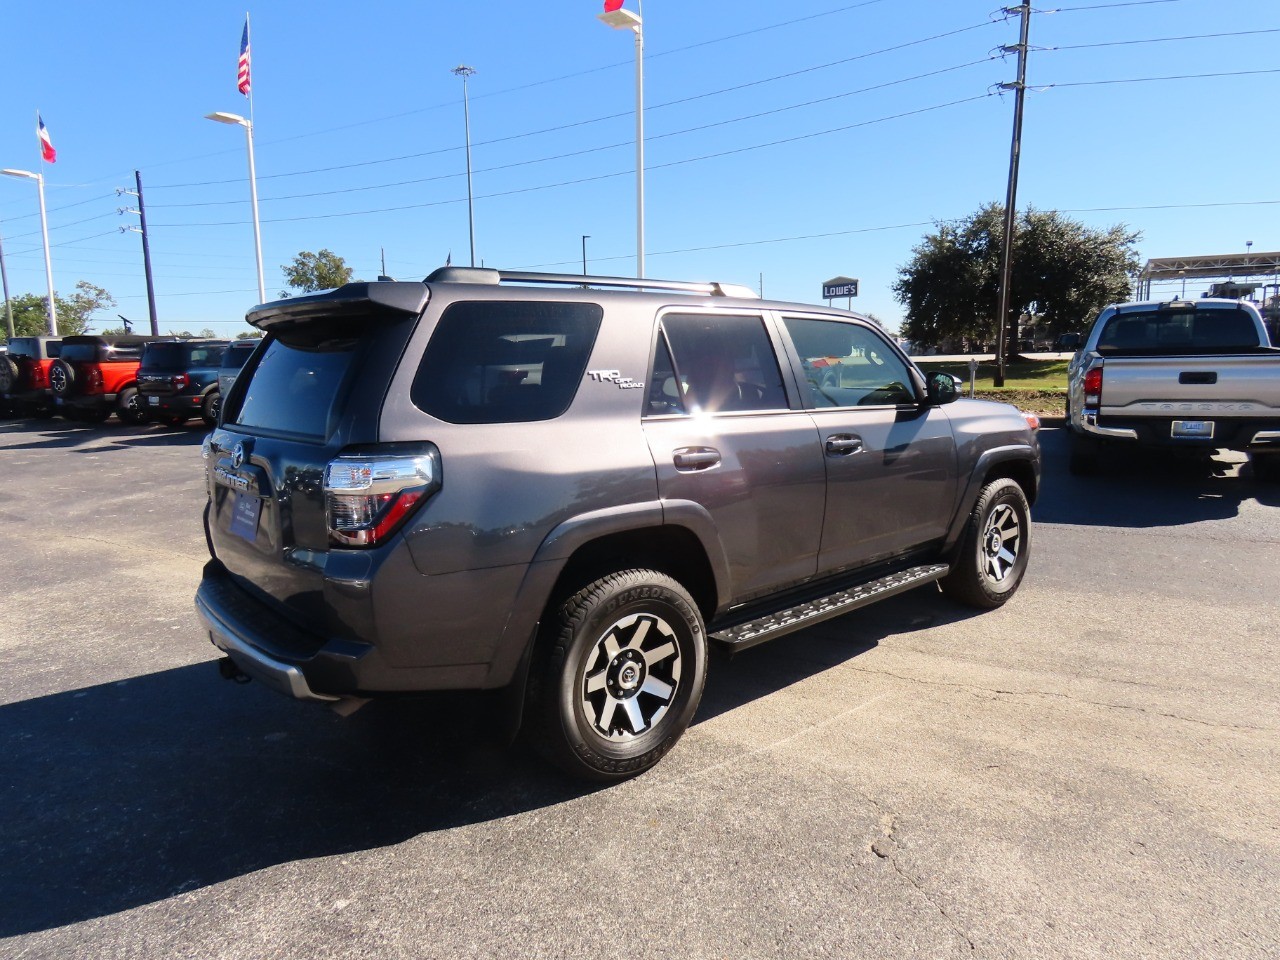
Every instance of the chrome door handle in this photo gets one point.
(843, 444)
(695, 458)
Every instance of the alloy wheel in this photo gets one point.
(631, 677)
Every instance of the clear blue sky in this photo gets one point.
(791, 141)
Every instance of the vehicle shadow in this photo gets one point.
(1145, 488)
(128, 793)
(87, 438)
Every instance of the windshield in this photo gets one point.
(1173, 332)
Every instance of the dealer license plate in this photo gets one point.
(1201, 429)
(244, 515)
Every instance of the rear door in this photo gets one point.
(315, 388)
(725, 433)
(891, 463)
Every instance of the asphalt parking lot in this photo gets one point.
(1091, 771)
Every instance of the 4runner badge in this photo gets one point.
(614, 376)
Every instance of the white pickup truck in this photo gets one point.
(1183, 374)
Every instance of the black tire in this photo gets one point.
(1266, 466)
(995, 548)
(625, 652)
(129, 406)
(62, 378)
(1083, 460)
(8, 373)
(210, 409)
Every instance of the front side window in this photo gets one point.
(718, 364)
(505, 361)
(848, 365)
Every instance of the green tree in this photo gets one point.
(249, 335)
(1063, 272)
(315, 271)
(31, 310)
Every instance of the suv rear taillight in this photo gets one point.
(1093, 387)
(93, 379)
(39, 378)
(368, 498)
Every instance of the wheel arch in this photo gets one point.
(1018, 463)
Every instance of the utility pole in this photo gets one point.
(1019, 88)
(8, 308)
(465, 72)
(141, 213)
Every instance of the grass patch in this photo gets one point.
(1037, 386)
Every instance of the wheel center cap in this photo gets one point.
(626, 673)
(994, 542)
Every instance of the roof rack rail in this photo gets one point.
(492, 276)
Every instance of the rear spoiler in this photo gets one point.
(349, 300)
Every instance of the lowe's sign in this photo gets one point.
(839, 287)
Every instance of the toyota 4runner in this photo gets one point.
(565, 488)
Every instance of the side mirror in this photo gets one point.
(941, 388)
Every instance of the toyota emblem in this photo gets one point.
(237, 456)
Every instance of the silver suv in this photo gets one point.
(564, 488)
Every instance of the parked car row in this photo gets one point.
(88, 378)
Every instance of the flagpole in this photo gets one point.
(253, 173)
(44, 230)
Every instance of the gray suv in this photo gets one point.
(565, 488)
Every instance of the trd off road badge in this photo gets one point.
(614, 376)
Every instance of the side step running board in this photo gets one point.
(749, 634)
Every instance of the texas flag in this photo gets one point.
(49, 154)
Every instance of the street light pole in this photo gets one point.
(465, 72)
(221, 117)
(585, 238)
(44, 232)
(8, 307)
(621, 19)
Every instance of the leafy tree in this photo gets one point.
(315, 271)
(1063, 272)
(31, 310)
(249, 335)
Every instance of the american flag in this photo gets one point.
(242, 71)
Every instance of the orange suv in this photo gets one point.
(95, 376)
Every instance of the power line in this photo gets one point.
(1130, 43)
(598, 177)
(1181, 76)
(581, 123)
(1111, 6)
(587, 150)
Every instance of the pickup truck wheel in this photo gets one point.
(129, 406)
(995, 548)
(618, 674)
(1266, 466)
(210, 408)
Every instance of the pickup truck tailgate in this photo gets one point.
(1225, 386)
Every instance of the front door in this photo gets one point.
(725, 434)
(890, 461)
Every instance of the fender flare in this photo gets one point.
(510, 659)
(988, 459)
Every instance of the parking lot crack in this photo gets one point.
(886, 848)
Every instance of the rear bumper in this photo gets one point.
(273, 650)
(188, 405)
(1229, 433)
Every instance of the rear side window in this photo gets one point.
(297, 383)
(722, 364)
(505, 361)
(180, 356)
(80, 352)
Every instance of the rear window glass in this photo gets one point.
(100, 353)
(30, 347)
(1157, 332)
(297, 383)
(505, 362)
(181, 356)
(234, 356)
